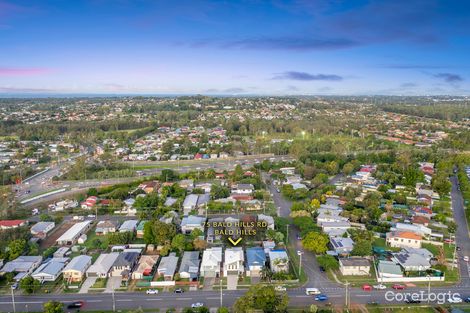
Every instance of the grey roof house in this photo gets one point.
(167, 266)
(189, 267)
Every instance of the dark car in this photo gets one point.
(322, 269)
(75, 305)
(321, 298)
(178, 290)
(412, 301)
(467, 300)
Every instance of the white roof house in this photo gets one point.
(102, 265)
(190, 203)
(42, 228)
(411, 261)
(211, 261)
(128, 226)
(167, 266)
(191, 222)
(278, 260)
(71, 236)
(23, 265)
(234, 261)
(50, 270)
(268, 219)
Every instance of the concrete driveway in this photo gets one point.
(232, 282)
(90, 281)
(113, 283)
(208, 283)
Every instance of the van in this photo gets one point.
(312, 291)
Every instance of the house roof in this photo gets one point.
(103, 263)
(354, 262)
(128, 225)
(168, 264)
(73, 231)
(234, 255)
(106, 224)
(21, 264)
(193, 220)
(190, 200)
(190, 262)
(41, 227)
(11, 223)
(278, 254)
(405, 235)
(340, 243)
(126, 259)
(255, 256)
(52, 267)
(79, 263)
(389, 267)
(212, 256)
(146, 262)
(406, 259)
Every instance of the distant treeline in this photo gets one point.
(442, 111)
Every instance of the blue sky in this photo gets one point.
(235, 47)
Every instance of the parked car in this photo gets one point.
(14, 286)
(280, 288)
(151, 291)
(466, 259)
(467, 300)
(380, 287)
(398, 287)
(312, 291)
(197, 305)
(412, 301)
(322, 269)
(454, 299)
(75, 305)
(178, 290)
(321, 298)
(367, 287)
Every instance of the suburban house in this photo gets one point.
(268, 219)
(415, 228)
(149, 186)
(278, 261)
(404, 239)
(189, 268)
(124, 264)
(140, 229)
(203, 200)
(243, 189)
(89, 203)
(341, 245)
(234, 263)
(354, 266)
(256, 261)
(71, 236)
(190, 203)
(128, 226)
(167, 266)
(388, 269)
(22, 266)
(411, 261)
(41, 229)
(8, 224)
(61, 252)
(335, 228)
(145, 266)
(75, 270)
(50, 270)
(192, 222)
(106, 227)
(102, 265)
(211, 262)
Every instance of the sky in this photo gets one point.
(277, 47)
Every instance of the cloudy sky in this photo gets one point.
(235, 47)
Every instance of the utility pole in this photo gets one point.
(114, 302)
(429, 286)
(299, 253)
(221, 294)
(13, 300)
(287, 234)
(346, 299)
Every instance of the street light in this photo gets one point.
(299, 253)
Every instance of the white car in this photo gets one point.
(151, 291)
(280, 288)
(197, 305)
(465, 258)
(380, 287)
(454, 299)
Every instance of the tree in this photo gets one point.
(16, 248)
(53, 307)
(92, 192)
(29, 284)
(156, 232)
(218, 191)
(328, 262)
(348, 168)
(315, 242)
(314, 204)
(441, 184)
(271, 234)
(223, 310)
(320, 179)
(199, 244)
(313, 308)
(263, 298)
(362, 248)
(178, 242)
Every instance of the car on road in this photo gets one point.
(367, 287)
(467, 300)
(466, 259)
(312, 291)
(197, 305)
(151, 291)
(280, 288)
(321, 298)
(380, 287)
(178, 290)
(398, 287)
(277, 189)
(322, 269)
(14, 286)
(412, 301)
(454, 299)
(299, 237)
(75, 305)
(372, 303)
(458, 248)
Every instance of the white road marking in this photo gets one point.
(124, 300)
(94, 300)
(153, 299)
(185, 298)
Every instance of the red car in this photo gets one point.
(398, 287)
(367, 287)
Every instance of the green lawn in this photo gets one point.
(448, 249)
(379, 242)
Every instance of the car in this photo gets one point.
(380, 287)
(278, 190)
(322, 269)
(197, 305)
(14, 286)
(280, 288)
(178, 290)
(312, 291)
(448, 240)
(412, 301)
(454, 299)
(75, 305)
(458, 248)
(321, 298)
(372, 303)
(367, 287)
(467, 300)
(466, 259)
(398, 287)
(299, 237)
(151, 291)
